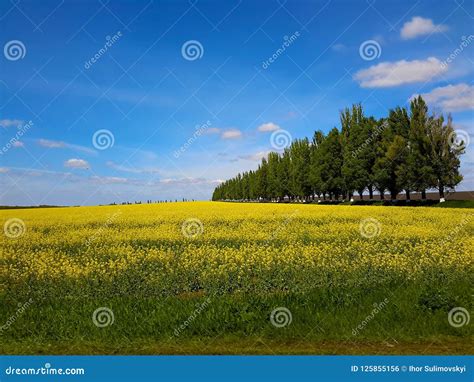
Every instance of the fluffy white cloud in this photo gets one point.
(231, 134)
(77, 163)
(452, 97)
(18, 144)
(388, 74)
(419, 26)
(270, 126)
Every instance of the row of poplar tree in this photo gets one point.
(409, 151)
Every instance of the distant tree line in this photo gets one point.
(409, 151)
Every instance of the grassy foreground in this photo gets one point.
(217, 278)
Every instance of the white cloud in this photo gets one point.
(63, 145)
(270, 126)
(212, 130)
(51, 144)
(77, 163)
(3, 170)
(231, 134)
(451, 98)
(257, 157)
(419, 26)
(388, 74)
(18, 144)
(11, 122)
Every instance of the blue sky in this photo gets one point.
(181, 120)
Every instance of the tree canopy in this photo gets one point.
(408, 151)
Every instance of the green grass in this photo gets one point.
(414, 321)
(456, 204)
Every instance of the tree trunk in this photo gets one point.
(371, 193)
(361, 195)
(382, 195)
(393, 195)
(441, 191)
(423, 195)
(407, 192)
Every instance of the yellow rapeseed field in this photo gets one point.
(174, 248)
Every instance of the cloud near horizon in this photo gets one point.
(451, 97)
